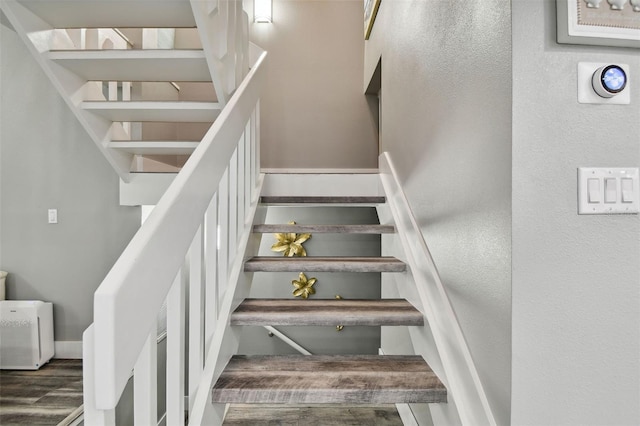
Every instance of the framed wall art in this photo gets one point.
(599, 22)
(370, 11)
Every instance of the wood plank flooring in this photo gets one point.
(311, 415)
(41, 397)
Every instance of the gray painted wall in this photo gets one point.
(313, 111)
(576, 279)
(446, 122)
(48, 161)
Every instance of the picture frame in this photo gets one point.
(370, 12)
(599, 22)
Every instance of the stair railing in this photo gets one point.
(450, 358)
(192, 239)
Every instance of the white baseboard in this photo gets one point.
(68, 349)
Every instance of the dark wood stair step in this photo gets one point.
(324, 229)
(312, 415)
(324, 264)
(326, 312)
(277, 199)
(328, 379)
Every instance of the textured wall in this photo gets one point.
(314, 114)
(48, 161)
(576, 279)
(446, 121)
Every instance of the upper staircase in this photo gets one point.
(135, 73)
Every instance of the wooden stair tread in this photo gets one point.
(328, 379)
(274, 199)
(155, 147)
(168, 111)
(324, 229)
(327, 312)
(312, 415)
(113, 14)
(324, 264)
(135, 65)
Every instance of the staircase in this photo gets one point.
(344, 379)
(90, 52)
(135, 73)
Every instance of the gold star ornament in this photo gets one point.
(303, 286)
(290, 243)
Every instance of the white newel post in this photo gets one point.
(92, 416)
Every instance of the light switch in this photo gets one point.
(593, 188)
(53, 215)
(610, 190)
(626, 187)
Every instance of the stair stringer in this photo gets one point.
(224, 33)
(38, 36)
(443, 344)
(226, 338)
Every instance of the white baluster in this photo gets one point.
(211, 270)
(145, 382)
(233, 206)
(240, 186)
(196, 315)
(256, 136)
(248, 182)
(223, 237)
(175, 352)
(126, 96)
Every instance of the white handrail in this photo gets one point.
(460, 373)
(128, 300)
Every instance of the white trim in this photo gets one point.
(70, 349)
(317, 171)
(323, 184)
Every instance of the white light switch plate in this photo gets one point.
(610, 179)
(52, 215)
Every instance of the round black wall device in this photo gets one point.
(609, 80)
